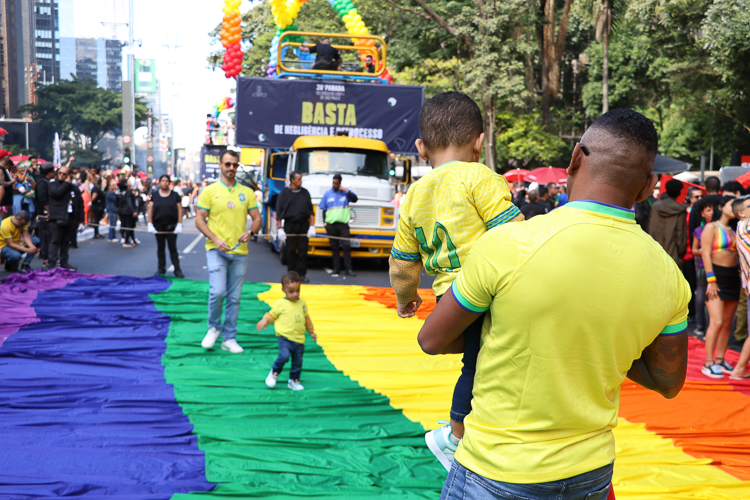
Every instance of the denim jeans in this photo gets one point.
(112, 225)
(19, 201)
(295, 350)
(462, 484)
(462, 393)
(13, 256)
(226, 273)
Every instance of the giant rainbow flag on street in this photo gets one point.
(106, 392)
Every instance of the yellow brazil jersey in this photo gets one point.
(227, 212)
(445, 212)
(289, 319)
(9, 231)
(574, 298)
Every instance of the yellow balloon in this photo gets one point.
(353, 12)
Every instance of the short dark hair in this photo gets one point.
(163, 176)
(228, 152)
(290, 277)
(449, 119)
(733, 186)
(542, 190)
(32, 157)
(673, 188)
(46, 168)
(631, 126)
(23, 215)
(293, 175)
(337, 177)
(692, 189)
(737, 205)
(533, 195)
(122, 185)
(712, 184)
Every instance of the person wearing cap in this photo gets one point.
(47, 172)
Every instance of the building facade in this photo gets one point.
(47, 40)
(17, 57)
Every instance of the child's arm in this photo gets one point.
(404, 276)
(263, 323)
(494, 202)
(310, 328)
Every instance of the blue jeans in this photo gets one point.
(295, 350)
(19, 201)
(112, 224)
(226, 273)
(13, 256)
(462, 484)
(462, 394)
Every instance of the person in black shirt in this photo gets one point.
(294, 207)
(165, 216)
(534, 207)
(6, 182)
(41, 200)
(65, 214)
(369, 65)
(127, 211)
(326, 57)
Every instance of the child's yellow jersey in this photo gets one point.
(289, 319)
(445, 212)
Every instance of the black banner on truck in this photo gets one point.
(272, 113)
(210, 168)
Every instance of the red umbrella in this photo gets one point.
(685, 186)
(516, 175)
(545, 175)
(139, 173)
(20, 158)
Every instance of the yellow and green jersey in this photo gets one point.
(445, 212)
(289, 319)
(228, 208)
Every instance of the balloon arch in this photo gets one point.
(284, 14)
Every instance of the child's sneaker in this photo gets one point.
(712, 371)
(439, 443)
(271, 380)
(295, 385)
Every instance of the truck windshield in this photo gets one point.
(343, 161)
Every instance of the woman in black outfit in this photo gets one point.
(127, 212)
(165, 216)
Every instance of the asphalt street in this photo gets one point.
(100, 256)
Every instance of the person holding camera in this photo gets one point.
(165, 216)
(66, 214)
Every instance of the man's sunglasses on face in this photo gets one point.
(229, 164)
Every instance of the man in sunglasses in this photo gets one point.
(226, 204)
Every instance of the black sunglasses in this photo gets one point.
(584, 149)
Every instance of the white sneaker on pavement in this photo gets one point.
(295, 385)
(210, 339)
(271, 380)
(232, 346)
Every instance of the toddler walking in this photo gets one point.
(291, 320)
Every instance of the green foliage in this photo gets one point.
(79, 109)
(525, 143)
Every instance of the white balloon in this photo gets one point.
(140, 138)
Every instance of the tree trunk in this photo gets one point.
(605, 58)
(551, 53)
(489, 116)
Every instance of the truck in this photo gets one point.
(327, 123)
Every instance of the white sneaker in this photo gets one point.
(210, 339)
(439, 443)
(232, 346)
(295, 385)
(271, 380)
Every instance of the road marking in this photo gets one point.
(192, 245)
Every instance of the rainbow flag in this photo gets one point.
(107, 392)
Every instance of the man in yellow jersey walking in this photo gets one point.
(443, 214)
(567, 321)
(226, 203)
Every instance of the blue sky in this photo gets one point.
(168, 22)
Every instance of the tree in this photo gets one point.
(551, 48)
(524, 142)
(80, 110)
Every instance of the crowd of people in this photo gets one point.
(44, 208)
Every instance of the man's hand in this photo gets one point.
(151, 228)
(245, 237)
(31, 250)
(343, 189)
(311, 232)
(281, 234)
(222, 245)
(410, 309)
(178, 228)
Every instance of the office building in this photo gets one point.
(16, 55)
(47, 40)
